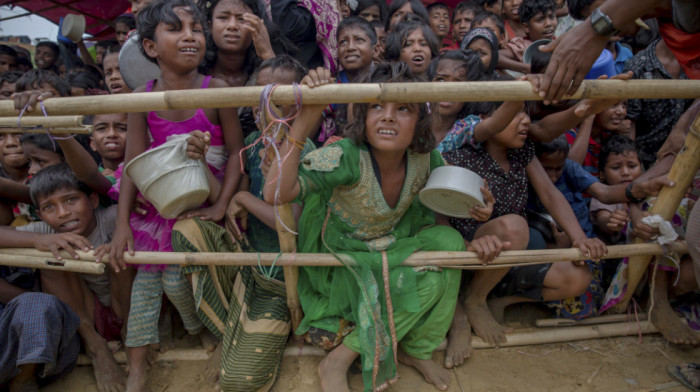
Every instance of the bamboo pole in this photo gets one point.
(443, 259)
(287, 239)
(682, 173)
(352, 92)
(54, 131)
(36, 261)
(563, 335)
(41, 121)
(178, 354)
(522, 338)
(606, 319)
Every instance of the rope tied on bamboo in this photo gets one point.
(273, 134)
(48, 130)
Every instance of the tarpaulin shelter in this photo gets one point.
(99, 14)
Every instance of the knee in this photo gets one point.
(513, 228)
(576, 281)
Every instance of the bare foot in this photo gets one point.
(209, 341)
(674, 330)
(431, 371)
(26, 380)
(459, 339)
(485, 326)
(108, 375)
(213, 370)
(333, 369)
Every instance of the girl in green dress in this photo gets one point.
(360, 204)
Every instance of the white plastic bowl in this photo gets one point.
(173, 186)
(73, 27)
(452, 191)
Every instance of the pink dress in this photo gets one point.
(152, 232)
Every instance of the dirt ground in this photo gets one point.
(616, 364)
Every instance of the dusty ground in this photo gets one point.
(614, 364)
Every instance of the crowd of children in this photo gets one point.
(558, 174)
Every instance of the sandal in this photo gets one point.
(675, 372)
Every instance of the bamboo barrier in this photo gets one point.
(682, 173)
(44, 122)
(523, 338)
(442, 259)
(53, 131)
(352, 92)
(47, 261)
(606, 319)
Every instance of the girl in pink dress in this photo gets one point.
(172, 34)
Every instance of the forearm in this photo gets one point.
(561, 211)
(261, 210)
(13, 190)
(553, 125)
(127, 196)
(231, 181)
(578, 150)
(85, 55)
(505, 62)
(498, 121)
(11, 238)
(286, 175)
(84, 167)
(624, 12)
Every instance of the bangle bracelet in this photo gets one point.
(297, 143)
(630, 196)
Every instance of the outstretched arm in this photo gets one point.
(290, 150)
(84, 167)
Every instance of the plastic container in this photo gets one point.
(452, 191)
(604, 65)
(530, 51)
(73, 27)
(168, 179)
(135, 68)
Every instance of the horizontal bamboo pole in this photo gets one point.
(523, 338)
(445, 259)
(14, 260)
(563, 335)
(44, 122)
(352, 92)
(606, 319)
(53, 131)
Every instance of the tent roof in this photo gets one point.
(98, 13)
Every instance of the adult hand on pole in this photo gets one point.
(574, 53)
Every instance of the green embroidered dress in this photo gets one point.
(345, 208)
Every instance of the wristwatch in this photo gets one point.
(602, 24)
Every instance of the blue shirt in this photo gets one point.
(573, 182)
(623, 53)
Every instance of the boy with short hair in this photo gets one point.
(8, 58)
(71, 221)
(462, 18)
(491, 21)
(357, 45)
(572, 181)
(439, 20)
(7, 84)
(538, 18)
